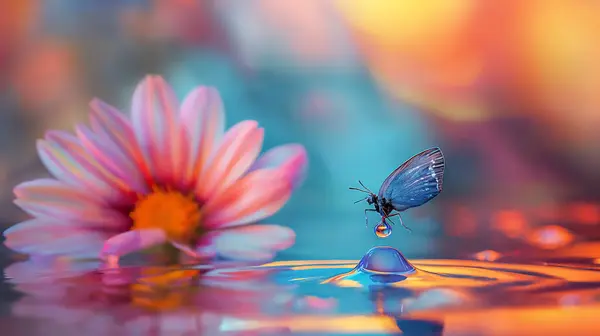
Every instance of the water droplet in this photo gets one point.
(381, 266)
(385, 259)
(383, 230)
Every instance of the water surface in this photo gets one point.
(382, 294)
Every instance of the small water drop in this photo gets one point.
(383, 230)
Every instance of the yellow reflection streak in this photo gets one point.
(566, 273)
(354, 324)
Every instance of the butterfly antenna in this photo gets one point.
(365, 187)
(361, 200)
(352, 188)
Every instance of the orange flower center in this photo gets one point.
(177, 214)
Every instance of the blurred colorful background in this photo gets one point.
(507, 89)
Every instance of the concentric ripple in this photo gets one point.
(387, 266)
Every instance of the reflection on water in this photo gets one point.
(381, 294)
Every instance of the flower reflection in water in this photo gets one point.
(142, 300)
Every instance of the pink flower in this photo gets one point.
(171, 174)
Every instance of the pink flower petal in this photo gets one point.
(48, 186)
(256, 196)
(132, 241)
(203, 118)
(55, 199)
(236, 153)
(113, 159)
(110, 123)
(43, 237)
(70, 169)
(254, 242)
(154, 119)
(180, 157)
(84, 157)
(198, 252)
(290, 158)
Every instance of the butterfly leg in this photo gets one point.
(390, 216)
(366, 218)
(401, 222)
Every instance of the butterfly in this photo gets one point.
(414, 183)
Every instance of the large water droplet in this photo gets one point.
(385, 259)
(381, 265)
(383, 230)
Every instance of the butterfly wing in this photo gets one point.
(416, 181)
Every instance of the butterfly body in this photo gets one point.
(381, 205)
(414, 183)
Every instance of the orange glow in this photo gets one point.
(421, 52)
(158, 288)
(510, 222)
(555, 64)
(16, 18)
(404, 22)
(515, 321)
(581, 250)
(550, 237)
(574, 275)
(585, 213)
(486, 322)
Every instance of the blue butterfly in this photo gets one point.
(416, 182)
